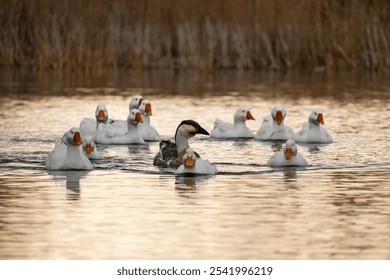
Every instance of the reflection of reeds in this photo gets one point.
(204, 34)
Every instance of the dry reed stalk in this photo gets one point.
(285, 49)
(373, 61)
(204, 34)
(386, 47)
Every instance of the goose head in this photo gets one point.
(188, 129)
(135, 102)
(89, 146)
(145, 107)
(101, 113)
(242, 114)
(73, 137)
(134, 117)
(316, 117)
(290, 149)
(189, 158)
(278, 113)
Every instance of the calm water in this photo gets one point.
(337, 208)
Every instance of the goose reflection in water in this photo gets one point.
(190, 181)
(290, 175)
(313, 148)
(136, 149)
(277, 146)
(241, 143)
(72, 181)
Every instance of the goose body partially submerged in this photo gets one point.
(273, 127)
(312, 132)
(67, 154)
(288, 156)
(238, 129)
(89, 127)
(146, 131)
(109, 135)
(171, 153)
(134, 103)
(90, 150)
(192, 165)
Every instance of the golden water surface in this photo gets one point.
(336, 208)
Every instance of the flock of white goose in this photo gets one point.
(75, 149)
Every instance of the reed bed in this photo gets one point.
(201, 34)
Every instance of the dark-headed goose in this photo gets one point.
(171, 154)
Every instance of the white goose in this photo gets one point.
(90, 150)
(109, 135)
(67, 153)
(312, 132)
(238, 129)
(273, 127)
(288, 157)
(194, 165)
(171, 154)
(134, 103)
(146, 131)
(88, 126)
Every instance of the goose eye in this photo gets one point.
(315, 114)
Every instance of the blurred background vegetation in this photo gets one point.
(199, 34)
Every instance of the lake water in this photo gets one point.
(126, 208)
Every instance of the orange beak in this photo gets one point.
(140, 101)
(101, 115)
(189, 162)
(88, 148)
(288, 153)
(249, 116)
(279, 117)
(77, 138)
(320, 118)
(138, 117)
(148, 109)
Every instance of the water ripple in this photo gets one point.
(126, 208)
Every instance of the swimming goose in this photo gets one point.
(146, 131)
(238, 129)
(134, 103)
(90, 150)
(67, 153)
(288, 157)
(109, 135)
(88, 126)
(273, 127)
(312, 132)
(171, 154)
(194, 165)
